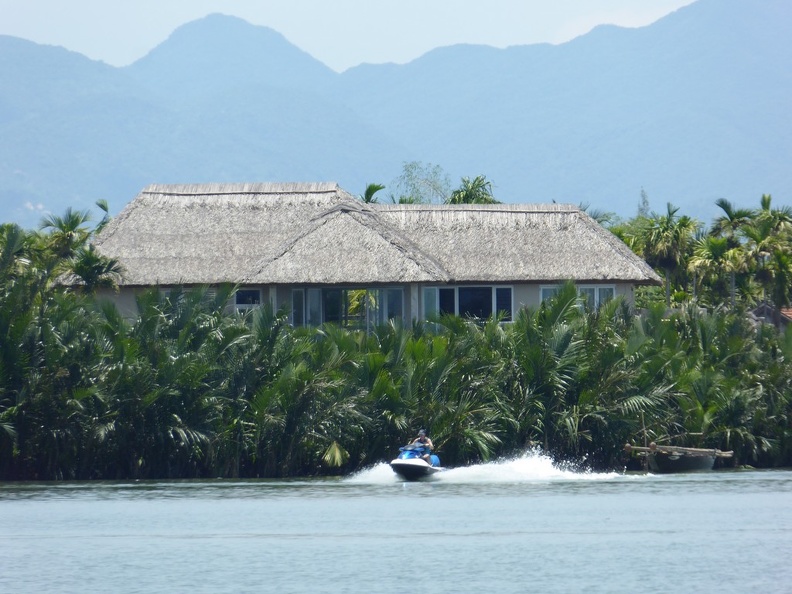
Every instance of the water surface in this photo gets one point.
(521, 525)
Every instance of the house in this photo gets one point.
(766, 313)
(329, 257)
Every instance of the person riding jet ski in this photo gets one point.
(423, 440)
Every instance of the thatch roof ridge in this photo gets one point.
(490, 215)
(478, 208)
(208, 193)
(287, 245)
(366, 216)
(215, 189)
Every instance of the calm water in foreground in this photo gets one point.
(514, 526)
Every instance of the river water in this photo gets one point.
(520, 525)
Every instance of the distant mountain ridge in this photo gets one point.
(690, 109)
(240, 55)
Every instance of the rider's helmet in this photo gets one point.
(422, 432)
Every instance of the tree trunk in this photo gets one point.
(668, 287)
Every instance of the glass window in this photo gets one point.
(472, 302)
(590, 293)
(314, 308)
(359, 307)
(395, 303)
(430, 302)
(548, 292)
(331, 305)
(384, 305)
(351, 308)
(298, 307)
(446, 301)
(596, 296)
(475, 302)
(372, 307)
(247, 298)
(503, 302)
(606, 294)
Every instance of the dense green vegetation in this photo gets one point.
(188, 390)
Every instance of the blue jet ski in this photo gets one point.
(411, 465)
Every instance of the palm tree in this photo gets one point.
(467, 420)
(309, 414)
(382, 369)
(549, 356)
(616, 390)
(768, 245)
(369, 195)
(20, 288)
(105, 208)
(780, 218)
(67, 232)
(667, 242)
(94, 270)
(603, 217)
(475, 191)
(712, 257)
(717, 383)
(761, 241)
(163, 381)
(780, 265)
(250, 353)
(54, 394)
(729, 224)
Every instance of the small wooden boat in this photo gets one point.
(667, 459)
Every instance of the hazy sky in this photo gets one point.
(341, 33)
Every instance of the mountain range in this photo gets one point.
(689, 109)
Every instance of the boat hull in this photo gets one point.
(413, 469)
(667, 459)
(664, 463)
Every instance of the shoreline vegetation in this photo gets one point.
(188, 390)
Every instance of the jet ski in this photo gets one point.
(410, 464)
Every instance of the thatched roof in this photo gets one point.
(498, 242)
(317, 233)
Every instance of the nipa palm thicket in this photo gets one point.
(188, 389)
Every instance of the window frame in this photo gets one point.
(548, 291)
(248, 306)
(434, 297)
(377, 308)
